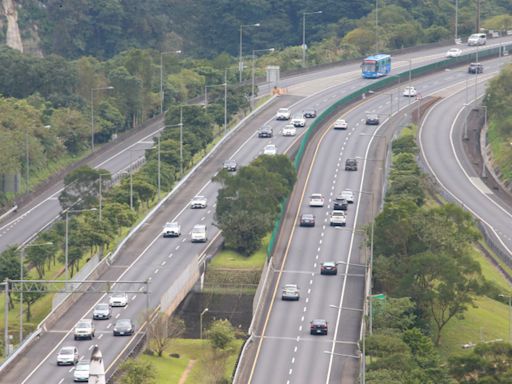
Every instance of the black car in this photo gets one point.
(265, 131)
(340, 204)
(230, 165)
(318, 327)
(372, 119)
(351, 165)
(309, 113)
(124, 327)
(307, 220)
(476, 68)
(328, 268)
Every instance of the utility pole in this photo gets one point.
(225, 101)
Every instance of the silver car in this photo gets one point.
(290, 292)
(102, 311)
(67, 356)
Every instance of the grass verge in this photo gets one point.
(170, 370)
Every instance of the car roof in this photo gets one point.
(290, 286)
(319, 321)
(308, 214)
(317, 194)
(71, 349)
(329, 263)
(118, 294)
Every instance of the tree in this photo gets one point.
(119, 215)
(38, 256)
(34, 291)
(396, 313)
(221, 334)
(137, 372)
(487, 363)
(10, 267)
(81, 188)
(73, 129)
(162, 329)
(443, 286)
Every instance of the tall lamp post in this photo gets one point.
(92, 112)
(240, 61)
(253, 71)
(159, 152)
(201, 323)
(225, 85)
(304, 35)
(66, 240)
(22, 259)
(162, 77)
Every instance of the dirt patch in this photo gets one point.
(186, 372)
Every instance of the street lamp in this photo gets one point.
(304, 35)
(240, 62)
(67, 236)
(162, 77)
(509, 316)
(466, 137)
(253, 70)
(92, 112)
(225, 85)
(484, 173)
(201, 323)
(22, 257)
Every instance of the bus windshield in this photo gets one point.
(368, 66)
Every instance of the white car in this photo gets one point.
(118, 299)
(477, 39)
(410, 92)
(298, 121)
(81, 372)
(171, 229)
(340, 124)
(67, 356)
(199, 202)
(289, 130)
(283, 114)
(198, 234)
(316, 200)
(454, 52)
(338, 218)
(270, 150)
(347, 195)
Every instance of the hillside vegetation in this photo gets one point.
(203, 28)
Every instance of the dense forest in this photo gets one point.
(202, 28)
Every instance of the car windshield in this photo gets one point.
(82, 367)
(123, 323)
(67, 351)
(197, 230)
(329, 264)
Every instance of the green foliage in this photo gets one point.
(137, 372)
(10, 264)
(395, 313)
(221, 334)
(487, 363)
(248, 202)
(81, 188)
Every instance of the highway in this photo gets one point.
(150, 256)
(44, 208)
(287, 353)
(441, 143)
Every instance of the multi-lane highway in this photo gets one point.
(44, 208)
(149, 256)
(286, 352)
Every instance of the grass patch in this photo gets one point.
(170, 370)
(489, 321)
(490, 272)
(234, 260)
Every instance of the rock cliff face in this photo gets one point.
(13, 37)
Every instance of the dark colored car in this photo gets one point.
(230, 165)
(124, 327)
(328, 268)
(351, 165)
(318, 327)
(265, 131)
(476, 68)
(372, 119)
(340, 204)
(307, 220)
(309, 113)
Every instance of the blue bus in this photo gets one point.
(376, 66)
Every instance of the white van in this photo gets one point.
(198, 234)
(477, 39)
